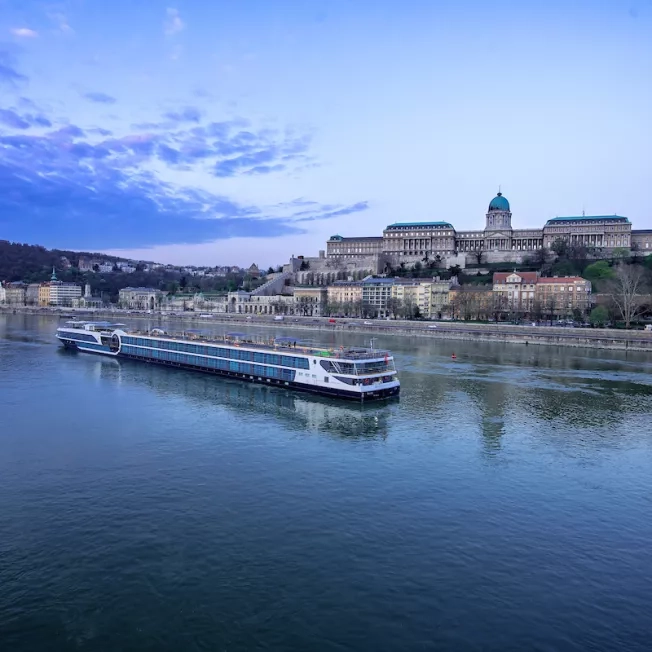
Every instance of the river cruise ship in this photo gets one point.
(356, 373)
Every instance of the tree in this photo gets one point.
(563, 267)
(598, 271)
(416, 269)
(478, 255)
(455, 270)
(578, 255)
(539, 258)
(560, 247)
(599, 316)
(537, 310)
(551, 306)
(305, 264)
(626, 290)
(394, 306)
(184, 283)
(618, 255)
(408, 308)
(270, 270)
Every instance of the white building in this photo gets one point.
(140, 298)
(86, 264)
(106, 267)
(3, 294)
(64, 294)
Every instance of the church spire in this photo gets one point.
(53, 277)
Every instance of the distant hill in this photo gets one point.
(33, 263)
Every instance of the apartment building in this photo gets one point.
(563, 295)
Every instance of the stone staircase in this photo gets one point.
(274, 286)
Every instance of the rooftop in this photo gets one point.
(499, 203)
(379, 281)
(563, 279)
(587, 218)
(398, 225)
(528, 277)
(340, 238)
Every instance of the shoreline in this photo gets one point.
(594, 338)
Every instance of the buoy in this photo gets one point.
(454, 357)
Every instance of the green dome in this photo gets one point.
(499, 203)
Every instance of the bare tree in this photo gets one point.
(551, 306)
(394, 306)
(537, 310)
(500, 305)
(626, 290)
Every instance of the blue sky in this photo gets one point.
(227, 132)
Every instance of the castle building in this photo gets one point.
(498, 241)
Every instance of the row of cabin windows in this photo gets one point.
(211, 363)
(79, 337)
(232, 354)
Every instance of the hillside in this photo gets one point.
(33, 263)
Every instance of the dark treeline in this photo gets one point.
(33, 264)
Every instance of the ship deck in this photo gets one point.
(287, 344)
(284, 344)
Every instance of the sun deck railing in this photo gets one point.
(271, 345)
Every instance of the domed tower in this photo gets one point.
(499, 217)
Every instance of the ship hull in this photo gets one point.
(372, 395)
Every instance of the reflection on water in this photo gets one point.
(299, 411)
(495, 388)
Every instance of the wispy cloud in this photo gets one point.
(334, 211)
(189, 114)
(173, 23)
(100, 98)
(12, 119)
(61, 22)
(24, 32)
(8, 73)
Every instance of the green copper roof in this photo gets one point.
(416, 224)
(580, 218)
(499, 203)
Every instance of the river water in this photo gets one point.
(503, 503)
